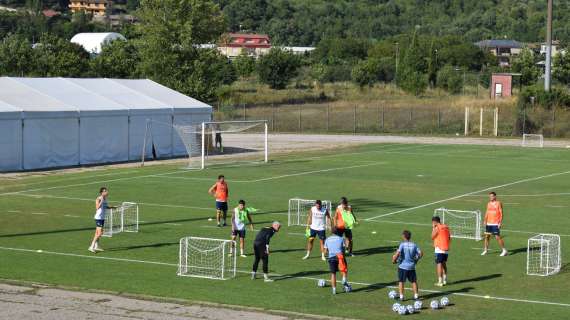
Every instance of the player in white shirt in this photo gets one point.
(101, 207)
(317, 221)
(239, 216)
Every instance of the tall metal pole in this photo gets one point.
(547, 73)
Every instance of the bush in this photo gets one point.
(277, 68)
(450, 79)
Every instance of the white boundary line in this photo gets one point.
(468, 194)
(567, 305)
(527, 195)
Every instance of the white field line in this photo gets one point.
(280, 275)
(70, 178)
(469, 193)
(71, 216)
(555, 206)
(173, 224)
(40, 213)
(526, 195)
(317, 171)
(450, 155)
(14, 211)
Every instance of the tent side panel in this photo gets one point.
(160, 136)
(10, 145)
(51, 142)
(104, 139)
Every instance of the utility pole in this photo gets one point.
(547, 72)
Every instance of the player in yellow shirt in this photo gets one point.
(493, 223)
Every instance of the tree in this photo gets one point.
(277, 68)
(526, 66)
(244, 65)
(450, 78)
(16, 56)
(411, 70)
(118, 59)
(370, 71)
(57, 57)
(561, 68)
(170, 33)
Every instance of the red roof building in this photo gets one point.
(235, 44)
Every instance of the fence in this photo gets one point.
(383, 118)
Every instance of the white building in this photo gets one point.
(93, 42)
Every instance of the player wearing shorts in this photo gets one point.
(317, 220)
(101, 207)
(335, 249)
(493, 223)
(441, 238)
(221, 192)
(344, 220)
(407, 256)
(239, 217)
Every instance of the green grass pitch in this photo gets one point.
(401, 185)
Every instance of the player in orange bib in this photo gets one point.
(220, 191)
(344, 220)
(493, 223)
(441, 238)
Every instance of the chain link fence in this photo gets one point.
(420, 120)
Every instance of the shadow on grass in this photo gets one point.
(301, 274)
(287, 250)
(565, 268)
(154, 245)
(375, 286)
(517, 251)
(366, 205)
(477, 279)
(374, 250)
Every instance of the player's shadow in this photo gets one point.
(366, 205)
(565, 268)
(375, 286)
(374, 250)
(287, 250)
(446, 293)
(301, 274)
(154, 245)
(477, 279)
(517, 251)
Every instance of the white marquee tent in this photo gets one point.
(93, 42)
(57, 122)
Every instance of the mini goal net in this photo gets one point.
(533, 140)
(543, 255)
(299, 210)
(207, 258)
(124, 218)
(462, 224)
(222, 142)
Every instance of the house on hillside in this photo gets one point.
(504, 50)
(234, 44)
(97, 8)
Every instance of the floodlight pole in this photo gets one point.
(547, 72)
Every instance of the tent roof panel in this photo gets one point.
(22, 97)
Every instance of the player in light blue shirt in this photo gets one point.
(334, 248)
(407, 256)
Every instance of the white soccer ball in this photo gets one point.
(444, 302)
(457, 134)
(410, 309)
(347, 288)
(210, 219)
(434, 304)
(396, 307)
(392, 294)
(418, 305)
(321, 283)
(402, 310)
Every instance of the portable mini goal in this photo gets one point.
(533, 140)
(543, 255)
(299, 210)
(462, 224)
(124, 218)
(207, 258)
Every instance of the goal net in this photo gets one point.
(533, 140)
(543, 255)
(299, 210)
(124, 218)
(207, 258)
(224, 142)
(462, 224)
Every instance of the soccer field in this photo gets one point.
(390, 186)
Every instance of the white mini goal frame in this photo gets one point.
(298, 217)
(124, 218)
(543, 255)
(193, 261)
(532, 137)
(458, 222)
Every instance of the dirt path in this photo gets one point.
(44, 303)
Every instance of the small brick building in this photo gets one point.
(501, 85)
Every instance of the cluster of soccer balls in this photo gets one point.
(417, 306)
(322, 283)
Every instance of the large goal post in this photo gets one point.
(299, 210)
(532, 140)
(207, 258)
(124, 218)
(225, 142)
(462, 224)
(543, 255)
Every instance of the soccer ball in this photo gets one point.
(434, 304)
(396, 307)
(321, 283)
(418, 305)
(402, 310)
(347, 288)
(444, 302)
(392, 294)
(410, 309)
